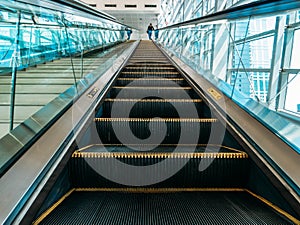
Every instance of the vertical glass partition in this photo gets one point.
(44, 51)
(255, 61)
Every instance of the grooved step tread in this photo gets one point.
(190, 206)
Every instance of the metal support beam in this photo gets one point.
(276, 59)
(14, 73)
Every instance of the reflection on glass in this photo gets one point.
(292, 100)
(295, 61)
(48, 50)
(254, 61)
(261, 53)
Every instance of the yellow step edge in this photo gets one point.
(159, 190)
(147, 87)
(145, 67)
(151, 100)
(160, 155)
(152, 78)
(149, 64)
(150, 72)
(234, 154)
(48, 211)
(276, 208)
(193, 120)
(162, 145)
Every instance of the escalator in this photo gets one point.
(158, 154)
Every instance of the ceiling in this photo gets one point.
(138, 17)
(137, 20)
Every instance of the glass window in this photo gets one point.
(261, 53)
(295, 61)
(257, 26)
(292, 99)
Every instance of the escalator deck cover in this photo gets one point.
(84, 207)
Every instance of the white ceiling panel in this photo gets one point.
(138, 18)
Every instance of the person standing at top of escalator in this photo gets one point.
(156, 31)
(150, 29)
(129, 32)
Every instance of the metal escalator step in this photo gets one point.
(226, 167)
(153, 100)
(151, 81)
(143, 207)
(150, 65)
(148, 53)
(140, 128)
(161, 151)
(150, 72)
(149, 60)
(144, 74)
(146, 87)
(149, 108)
(156, 92)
